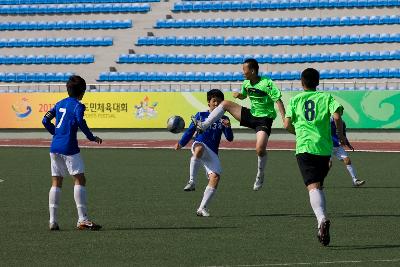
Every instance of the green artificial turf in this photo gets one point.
(148, 220)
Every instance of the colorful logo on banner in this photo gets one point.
(145, 109)
(22, 108)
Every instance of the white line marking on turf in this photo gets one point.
(309, 263)
(1, 180)
(170, 147)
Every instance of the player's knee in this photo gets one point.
(80, 179)
(347, 161)
(261, 152)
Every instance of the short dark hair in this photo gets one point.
(310, 78)
(253, 64)
(76, 86)
(214, 93)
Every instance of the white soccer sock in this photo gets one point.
(208, 194)
(215, 115)
(317, 201)
(80, 200)
(351, 171)
(262, 161)
(194, 168)
(54, 201)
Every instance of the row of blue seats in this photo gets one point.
(56, 42)
(65, 25)
(46, 59)
(265, 58)
(72, 8)
(280, 4)
(34, 76)
(277, 22)
(238, 76)
(35, 2)
(268, 40)
(191, 88)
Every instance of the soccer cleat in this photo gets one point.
(197, 124)
(358, 183)
(323, 232)
(258, 183)
(54, 226)
(87, 225)
(191, 186)
(203, 213)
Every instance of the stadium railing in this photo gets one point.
(195, 87)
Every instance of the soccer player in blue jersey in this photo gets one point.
(341, 154)
(205, 150)
(64, 151)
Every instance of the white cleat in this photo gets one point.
(202, 213)
(191, 186)
(358, 183)
(198, 124)
(258, 183)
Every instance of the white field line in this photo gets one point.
(310, 263)
(170, 147)
(1, 180)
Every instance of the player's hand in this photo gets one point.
(177, 146)
(235, 94)
(98, 140)
(226, 122)
(349, 145)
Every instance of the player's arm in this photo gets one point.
(238, 95)
(79, 115)
(281, 108)
(337, 117)
(50, 127)
(287, 123)
(187, 135)
(227, 129)
(347, 140)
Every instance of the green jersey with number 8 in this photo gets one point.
(310, 113)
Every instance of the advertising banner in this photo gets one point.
(363, 109)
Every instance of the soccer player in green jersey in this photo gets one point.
(308, 117)
(263, 93)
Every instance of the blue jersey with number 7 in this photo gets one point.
(69, 114)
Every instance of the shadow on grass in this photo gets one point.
(169, 228)
(363, 187)
(360, 247)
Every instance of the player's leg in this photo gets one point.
(76, 169)
(213, 168)
(209, 192)
(54, 201)
(261, 150)
(342, 155)
(226, 105)
(58, 170)
(314, 170)
(195, 162)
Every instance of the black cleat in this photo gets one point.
(323, 232)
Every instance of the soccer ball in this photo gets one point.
(175, 124)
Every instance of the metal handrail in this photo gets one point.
(194, 86)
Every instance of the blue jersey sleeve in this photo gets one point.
(50, 127)
(188, 133)
(228, 131)
(79, 114)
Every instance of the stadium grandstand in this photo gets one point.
(186, 45)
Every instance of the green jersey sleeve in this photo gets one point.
(275, 94)
(244, 91)
(289, 110)
(334, 105)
